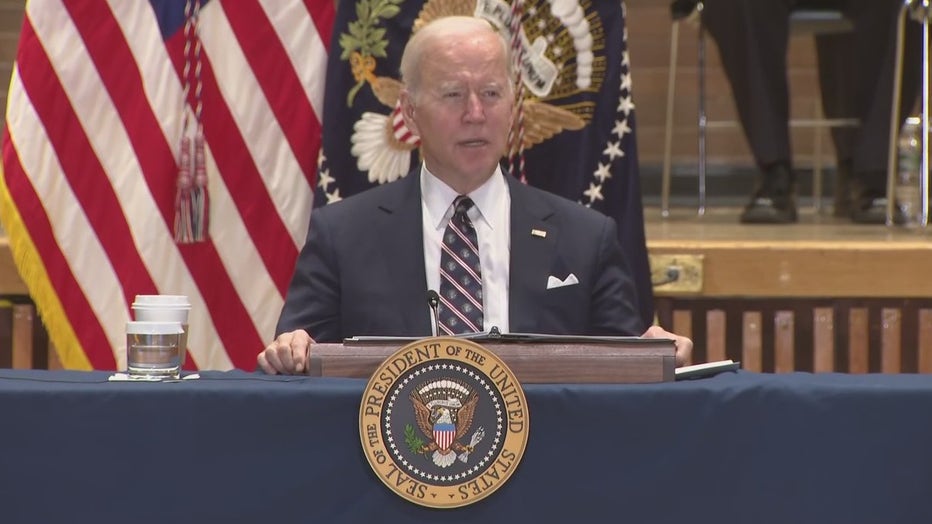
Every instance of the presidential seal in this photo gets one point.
(443, 422)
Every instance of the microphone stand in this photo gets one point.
(433, 300)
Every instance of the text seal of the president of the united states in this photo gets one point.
(443, 422)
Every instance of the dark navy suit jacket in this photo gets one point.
(361, 271)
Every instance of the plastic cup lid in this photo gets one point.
(161, 301)
(143, 327)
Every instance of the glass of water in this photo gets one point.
(153, 349)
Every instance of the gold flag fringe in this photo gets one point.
(33, 272)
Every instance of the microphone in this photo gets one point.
(433, 300)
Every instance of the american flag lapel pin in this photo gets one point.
(539, 233)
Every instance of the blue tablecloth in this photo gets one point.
(240, 447)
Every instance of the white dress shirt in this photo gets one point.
(491, 216)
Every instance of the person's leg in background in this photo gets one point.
(857, 70)
(835, 72)
(751, 36)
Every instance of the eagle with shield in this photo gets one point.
(444, 411)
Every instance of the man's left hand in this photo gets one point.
(684, 346)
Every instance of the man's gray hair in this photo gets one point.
(439, 28)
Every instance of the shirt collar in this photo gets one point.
(438, 198)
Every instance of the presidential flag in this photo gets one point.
(574, 130)
(113, 105)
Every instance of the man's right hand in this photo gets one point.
(286, 355)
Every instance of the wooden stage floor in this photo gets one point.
(721, 223)
(820, 256)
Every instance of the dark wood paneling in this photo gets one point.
(860, 335)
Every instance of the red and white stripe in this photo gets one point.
(400, 129)
(444, 438)
(89, 149)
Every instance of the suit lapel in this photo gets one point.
(402, 238)
(533, 240)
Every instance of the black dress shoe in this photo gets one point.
(773, 202)
(870, 209)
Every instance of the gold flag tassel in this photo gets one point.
(191, 201)
(199, 199)
(517, 130)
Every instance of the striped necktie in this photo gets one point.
(460, 275)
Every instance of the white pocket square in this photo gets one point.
(554, 282)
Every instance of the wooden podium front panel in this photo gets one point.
(538, 363)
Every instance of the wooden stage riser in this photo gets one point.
(781, 335)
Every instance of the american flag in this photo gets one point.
(91, 144)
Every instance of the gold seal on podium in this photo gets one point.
(443, 422)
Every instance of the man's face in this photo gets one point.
(462, 109)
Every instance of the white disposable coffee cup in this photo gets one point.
(165, 308)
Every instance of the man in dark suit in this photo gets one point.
(548, 265)
(856, 77)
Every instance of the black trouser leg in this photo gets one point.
(751, 36)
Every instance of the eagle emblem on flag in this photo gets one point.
(382, 144)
